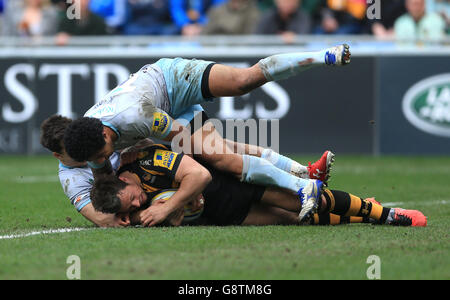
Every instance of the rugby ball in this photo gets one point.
(189, 213)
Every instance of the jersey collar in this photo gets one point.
(67, 167)
(107, 124)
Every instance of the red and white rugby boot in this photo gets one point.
(321, 169)
(372, 200)
(406, 217)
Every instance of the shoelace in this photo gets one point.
(300, 194)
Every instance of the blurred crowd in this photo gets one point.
(403, 19)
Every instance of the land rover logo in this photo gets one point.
(426, 105)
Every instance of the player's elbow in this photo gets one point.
(203, 176)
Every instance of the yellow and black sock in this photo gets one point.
(332, 219)
(345, 204)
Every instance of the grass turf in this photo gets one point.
(32, 200)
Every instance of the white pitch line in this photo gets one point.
(51, 231)
(35, 179)
(425, 202)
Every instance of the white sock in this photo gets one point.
(259, 171)
(285, 163)
(282, 66)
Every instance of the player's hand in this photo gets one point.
(198, 203)
(154, 215)
(123, 219)
(176, 218)
(112, 220)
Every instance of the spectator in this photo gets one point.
(233, 17)
(286, 19)
(311, 7)
(88, 23)
(342, 17)
(113, 11)
(441, 7)
(1, 16)
(417, 23)
(265, 5)
(149, 17)
(30, 18)
(390, 11)
(190, 15)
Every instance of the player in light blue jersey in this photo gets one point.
(76, 178)
(148, 103)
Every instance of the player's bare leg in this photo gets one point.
(305, 208)
(242, 148)
(262, 214)
(208, 145)
(229, 81)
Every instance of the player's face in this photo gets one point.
(287, 7)
(131, 198)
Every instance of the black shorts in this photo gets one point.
(228, 200)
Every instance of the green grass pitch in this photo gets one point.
(31, 200)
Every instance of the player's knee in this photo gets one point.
(230, 163)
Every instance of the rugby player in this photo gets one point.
(147, 104)
(76, 178)
(228, 201)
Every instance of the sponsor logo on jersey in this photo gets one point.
(160, 123)
(147, 162)
(426, 105)
(165, 159)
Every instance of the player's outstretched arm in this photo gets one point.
(101, 219)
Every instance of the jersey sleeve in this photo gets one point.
(77, 187)
(161, 125)
(81, 201)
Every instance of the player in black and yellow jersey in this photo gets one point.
(227, 200)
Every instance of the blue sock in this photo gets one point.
(257, 170)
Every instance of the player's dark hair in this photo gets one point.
(52, 132)
(104, 194)
(83, 138)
